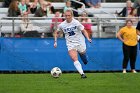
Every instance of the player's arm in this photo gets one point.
(55, 38)
(86, 35)
(56, 35)
(81, 28)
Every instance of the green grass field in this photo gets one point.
(70, 83)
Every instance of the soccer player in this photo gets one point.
(75, 40)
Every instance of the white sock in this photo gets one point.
(78, 67)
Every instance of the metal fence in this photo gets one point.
(101, 27)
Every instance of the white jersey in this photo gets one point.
(72, 31)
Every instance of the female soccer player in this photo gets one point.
(75, 40)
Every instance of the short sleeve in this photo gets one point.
(80, 26)
(121, 30)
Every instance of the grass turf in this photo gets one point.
(70, 83)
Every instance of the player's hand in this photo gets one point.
(89, 40)
(55, 44)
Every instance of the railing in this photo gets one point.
(101, 28)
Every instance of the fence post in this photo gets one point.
(117, 29)
(13, 27)
(98, 27)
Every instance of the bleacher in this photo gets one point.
(106, 11)
(42, 26)
(108, 7)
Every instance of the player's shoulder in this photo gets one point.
(76, 21)
(63, 23)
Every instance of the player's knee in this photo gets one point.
(83, 52)
(74, 58)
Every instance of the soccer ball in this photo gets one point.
(56, 72)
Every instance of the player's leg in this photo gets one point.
(78, 66)
(82, 52)
(83, 57)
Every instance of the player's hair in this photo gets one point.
(69, 10)
(128, 1)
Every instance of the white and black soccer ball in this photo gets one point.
(56, 72)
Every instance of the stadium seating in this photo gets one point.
(3, 15)
(42, 26)
(113, 5)
(8, 29)
(3, 10)
(102, 10)
(106, 11)
(107, 6)
(1, 4)
(60, 5)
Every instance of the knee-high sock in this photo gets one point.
(78, 67)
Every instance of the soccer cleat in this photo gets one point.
(124, 71)
(134, 71)
(83, 76)
(83, 58)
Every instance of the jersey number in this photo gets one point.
(71, 33)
